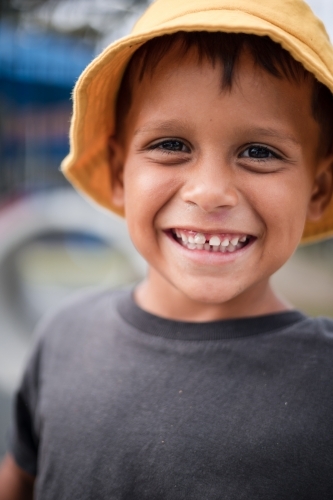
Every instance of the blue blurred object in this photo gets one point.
(38, 70)
(41, 57)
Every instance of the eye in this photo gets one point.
(171, 145)
(258, 152)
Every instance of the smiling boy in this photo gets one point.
(201, 382)
(214, 166)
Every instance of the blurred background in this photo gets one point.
(53, 242)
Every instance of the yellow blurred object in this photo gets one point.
(288, 22)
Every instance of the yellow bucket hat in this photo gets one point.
(288, 22)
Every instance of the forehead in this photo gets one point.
(189, 90)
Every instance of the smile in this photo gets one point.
(221, 242)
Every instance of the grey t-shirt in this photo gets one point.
(117, 403)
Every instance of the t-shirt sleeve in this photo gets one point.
(23, 435)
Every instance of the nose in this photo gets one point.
(211, 186)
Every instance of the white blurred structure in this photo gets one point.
(51, 244)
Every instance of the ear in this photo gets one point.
(116, 161)
(322, 189)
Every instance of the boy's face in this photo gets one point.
(229, 165)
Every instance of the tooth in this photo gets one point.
(191, 239)
(191, 246)
(176, 232)
(234, 241)
(242, 239)
(214, 241)
(223, 249)
(199, 246)
(184, 237)
(200, 238)
(231, 248)
(239, 246)
(206, 246)
(216, 248)
(225, 242)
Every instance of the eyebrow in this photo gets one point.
(162, 125)
(272, 132)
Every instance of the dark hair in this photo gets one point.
(226, 49)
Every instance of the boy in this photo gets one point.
(202, 383)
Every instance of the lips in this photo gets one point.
(211, 242)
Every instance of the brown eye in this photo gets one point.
(171, 145)
(259, 153)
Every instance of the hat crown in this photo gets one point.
(294, 16)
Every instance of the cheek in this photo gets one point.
(147, 190)
(281, 201)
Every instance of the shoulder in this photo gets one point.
(85, 313)
(80, 333)
(85, 302)
(324, 326)
(315, 333)
(313, 326)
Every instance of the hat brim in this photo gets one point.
(95, 94)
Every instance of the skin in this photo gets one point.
(15, 484)
(184, 162)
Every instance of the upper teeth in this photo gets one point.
(215, 242)
(200, 238)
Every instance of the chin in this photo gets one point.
(211, 295)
